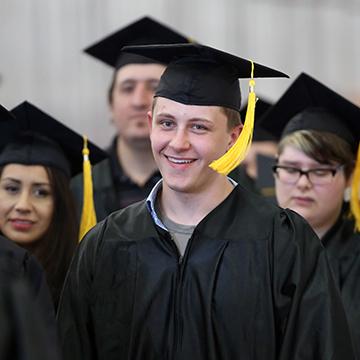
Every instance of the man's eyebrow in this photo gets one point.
(165, 114)
(134, 80)
(201, 119)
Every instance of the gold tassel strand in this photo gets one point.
(354, 200)
(236, 154)
(88, 215)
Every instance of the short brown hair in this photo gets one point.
(111, 88)
(324, 147)
(233, 117)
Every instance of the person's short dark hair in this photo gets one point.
(233, 117)
(111, 88)
(322, 146)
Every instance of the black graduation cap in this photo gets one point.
(141, 32)
(33, 137)
(5, 114)
(265, 181)
(260, 134)
(310, 105)
(200, 75)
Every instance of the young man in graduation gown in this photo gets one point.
(130, 172)
(203, 269)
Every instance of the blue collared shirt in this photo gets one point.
(150, 202)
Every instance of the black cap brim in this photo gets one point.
(143, 31)
(167, 53)
(5, 115)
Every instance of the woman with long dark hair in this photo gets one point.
(37, 209)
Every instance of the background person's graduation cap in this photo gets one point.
(260, 134)
(310, 105)
(32, 137)
(5, 115)
(141, 32)
(201, 75)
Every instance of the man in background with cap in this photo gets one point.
(203, 269)
(130, 172)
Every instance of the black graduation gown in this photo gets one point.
(24, 333)
(17, 264)
(254, 283)
(343, 247)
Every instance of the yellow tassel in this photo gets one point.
(354, 200)
(236, 154)
(88, 215)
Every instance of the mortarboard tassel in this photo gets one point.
(354, 200)
(88, 215)
(236, 154)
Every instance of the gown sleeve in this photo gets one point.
(309, 311)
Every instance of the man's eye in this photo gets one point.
(152, 86)
(166, 124)
(127, 89)
(199, 127)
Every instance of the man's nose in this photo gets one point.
(180, 141)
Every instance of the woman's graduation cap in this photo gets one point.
(32, 137)
(260, 134)
(141, 32)
(201, 75)
(310, 105)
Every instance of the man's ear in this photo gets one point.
(150, 119)
(234, 134)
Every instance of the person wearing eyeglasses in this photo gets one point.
(315, 173)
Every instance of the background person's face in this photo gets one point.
(132, 98)
(26, 203)
(185, 139)
(320, 205)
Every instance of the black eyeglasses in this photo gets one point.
(291, 175)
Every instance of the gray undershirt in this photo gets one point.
(180, 233)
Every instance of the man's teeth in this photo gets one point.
(179, 161)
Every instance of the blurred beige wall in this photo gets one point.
(41, 44)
